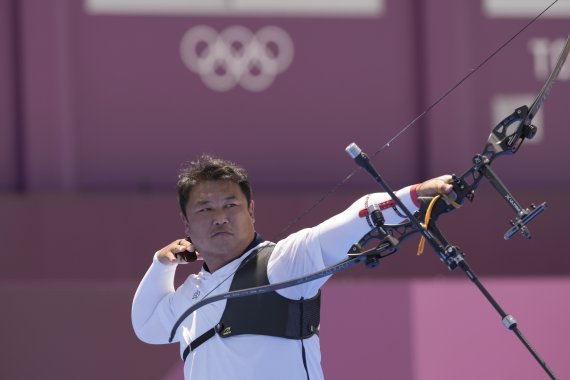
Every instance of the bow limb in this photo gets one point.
(535, 106)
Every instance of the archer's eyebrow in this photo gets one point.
(208, 201)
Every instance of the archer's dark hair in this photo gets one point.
(208, 168)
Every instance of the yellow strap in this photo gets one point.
(451, 201)
(422, 243)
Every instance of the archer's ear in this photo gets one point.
(185, 222)
(251, 210)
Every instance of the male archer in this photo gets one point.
(267, 336)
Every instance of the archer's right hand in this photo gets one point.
(180, 251)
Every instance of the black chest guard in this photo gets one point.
(263, 314)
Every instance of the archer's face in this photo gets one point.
(220, 222)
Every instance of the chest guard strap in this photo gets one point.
(263, 314)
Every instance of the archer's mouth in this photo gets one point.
(221, 234)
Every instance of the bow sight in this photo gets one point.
(506, 138)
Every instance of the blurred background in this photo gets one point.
(101, 101)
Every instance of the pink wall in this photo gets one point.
(397, 329)
(457, 334)
(98, 110)
(9, 97)
(100, 93)
(111, 235)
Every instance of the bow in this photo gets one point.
(388, 244)
(500, 142)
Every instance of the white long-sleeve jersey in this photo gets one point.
(157, 305)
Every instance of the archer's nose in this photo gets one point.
(220, 218)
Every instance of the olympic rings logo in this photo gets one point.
(237, 56)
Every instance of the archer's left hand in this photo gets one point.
(435, 186)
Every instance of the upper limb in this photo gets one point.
(313, 249)
(326, 244)
(340, 232)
